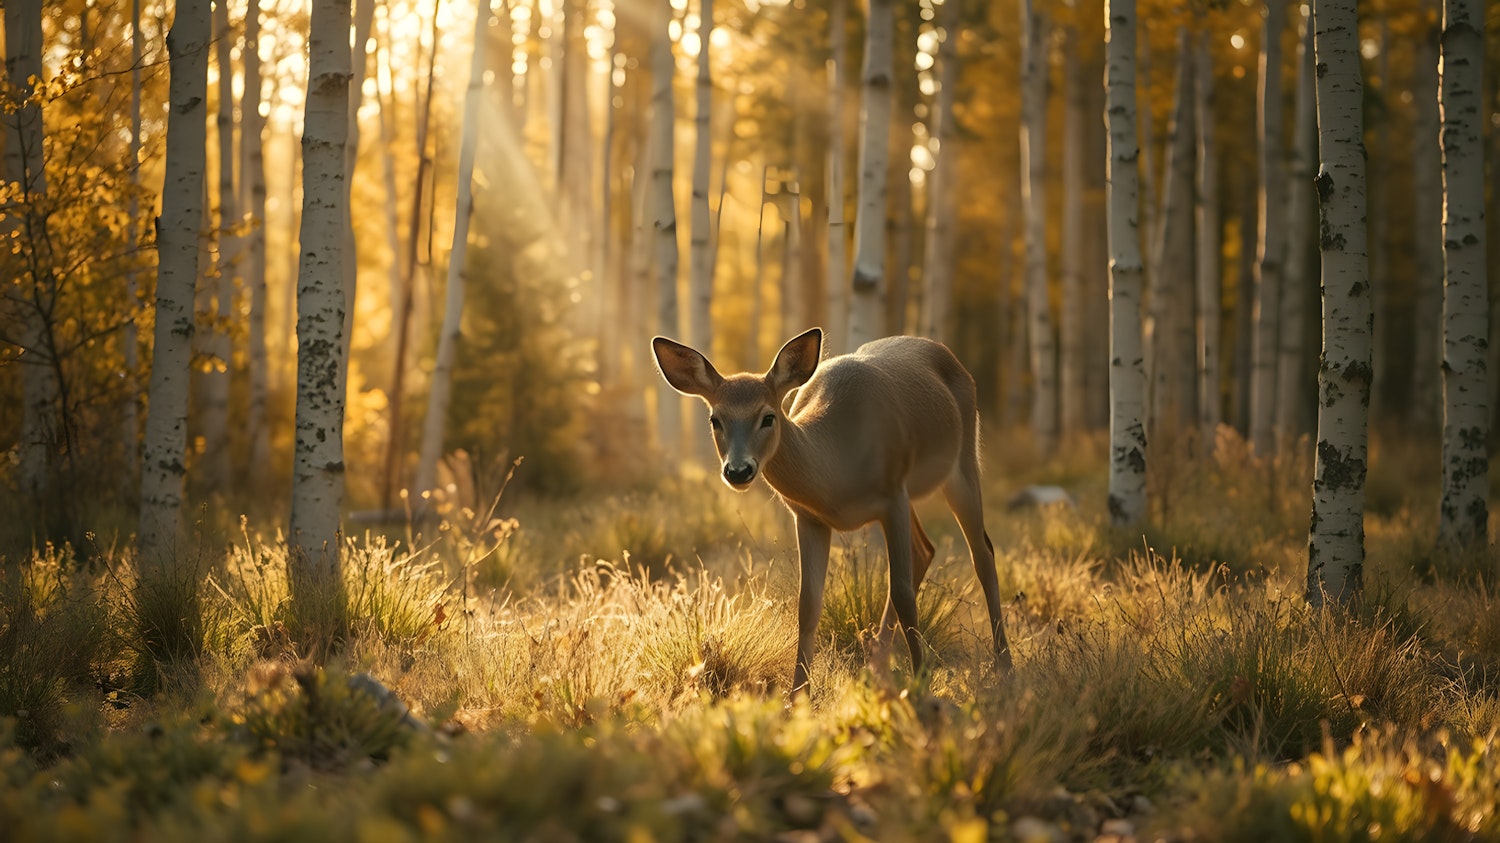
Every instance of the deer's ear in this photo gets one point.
(685, 369)
(796, 362)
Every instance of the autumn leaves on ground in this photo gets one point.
(616, 667)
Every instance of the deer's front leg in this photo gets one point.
(813, 539)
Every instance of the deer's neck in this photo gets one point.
(799, 471)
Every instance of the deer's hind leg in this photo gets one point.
(964, 498)
(922, 552)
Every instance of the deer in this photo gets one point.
(868, 434)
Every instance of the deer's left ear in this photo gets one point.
(796, 362)
(688, 371)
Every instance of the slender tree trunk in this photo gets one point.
(1292, 390)
(1127, 371)
(899, 216)
(163, 464)
(1244, 311)
(664, 217)
(1464, 514)
(1043, 346)
(253, 183)
(1427, 234)
(130, 424)
(1379, 196)
(866, 308)
(364, 15)
(942, 186)
(835, 338)
(1071, 365)
(576, 148)
(605, 268)
(1210, 283)
(24, 165)
(441, 390)
(220, 285)
(1173, 376)
(702, 271)
(1272, 249)
(391, 476)
(757, 283)
(794, 319)
(1336, 546)
(318, 455)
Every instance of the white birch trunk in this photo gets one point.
(701, 271)
(835, 337)
(1464, 515)
(1336, 547)
(1127, 372)
(1172, 373)
(318, 454)
(1291, 388)
(1427, 234)
(1271, 249)
(669, 404)
(942, 186)
(1071, 362)
(441, 391)
(253, 183)
(163, 468)
(1209, 253)
(1043, 346)
(24, 165)
(867, 304)
(220, 285)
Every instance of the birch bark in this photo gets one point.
(942, 185)
(1071, 397)
(1336, 552)
(669, 404)
(701, 270)
(835, 336)
(867, 305)
(1291, 388)
(1043, 347)
(253, 183)
(1464, 514)
(1209, 254)
(221, 283)
(1271, 249)
(163, 467)
(318, 452)
(1127, 372)
(1427, 233)
(441, 391)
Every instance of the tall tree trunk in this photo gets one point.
(364, 15)
(942, 186)
(441, 390)
(1127, 370)
(391, 475)
(1071, 363)
(1291, 388)
(1033, 177)
(835, 338)
(577, 149)
(1464, 515)
(1271, 249)
(867, 306)
(1378, 201)
(1172, 374)
(253, 183)
(1336, 546)
(757, 283)
(664, 217)
(24, 165)
(318, 454)
(898, 233)
(130, 424)
(1427, 234)
(1209, 255)
(1244, 311)
(701, 273)
(794, 318)
(220, 285)
(163, 463)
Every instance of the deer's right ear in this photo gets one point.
(685, 369)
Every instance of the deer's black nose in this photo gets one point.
(740, 474)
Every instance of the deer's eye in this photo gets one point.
(713, 422)
(769, 420)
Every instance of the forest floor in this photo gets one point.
(614, 668)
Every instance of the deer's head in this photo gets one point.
(744, 410)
